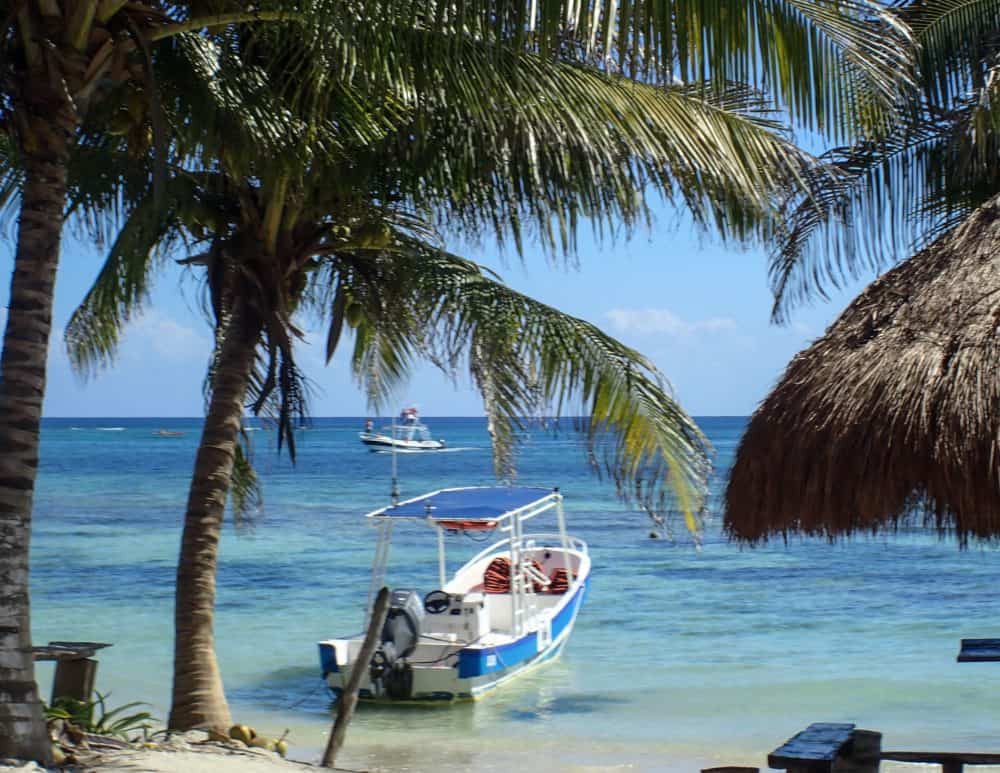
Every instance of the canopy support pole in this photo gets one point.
(379, 565)
(561, 520)
(442, 571)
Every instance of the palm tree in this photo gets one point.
(489, 166)
(76, 71)
(65, 66)
(62, 60)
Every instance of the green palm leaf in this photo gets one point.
(529, 359)
(884, 199)
(150, 232)
(834, 65)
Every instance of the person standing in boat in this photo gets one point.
(369, 425)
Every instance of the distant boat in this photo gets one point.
(110, 429)
(168, 433)
(408, 435)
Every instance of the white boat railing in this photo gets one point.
(531, 541)
(573, 543)
(515, 542)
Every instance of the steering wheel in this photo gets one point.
(436, 602)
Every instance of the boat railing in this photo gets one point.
(529, 541)
(572, 543)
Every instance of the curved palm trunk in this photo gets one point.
(46, 142)
(198, 699)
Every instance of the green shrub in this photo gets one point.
(94, 716)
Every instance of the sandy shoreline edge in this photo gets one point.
(183, 753)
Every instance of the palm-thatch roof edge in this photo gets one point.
(893, 414)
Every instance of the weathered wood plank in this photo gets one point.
(730, 769)
(67, 650)
(944, 758)
(861, 755)
(979, 650)
(74, 679)
(815, 748)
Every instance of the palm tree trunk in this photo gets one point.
(198, 699)
(45, 144)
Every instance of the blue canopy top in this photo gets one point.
(467, 504)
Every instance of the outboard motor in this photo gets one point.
(400, 635)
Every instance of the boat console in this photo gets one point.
(464, 615)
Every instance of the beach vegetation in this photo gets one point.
(95, 716)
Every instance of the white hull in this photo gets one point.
(467, 653)
(377, 441)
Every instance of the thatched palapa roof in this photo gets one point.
(894, 413)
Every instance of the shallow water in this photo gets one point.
(679, 658)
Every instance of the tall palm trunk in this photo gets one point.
(198, 699)
(46, 126)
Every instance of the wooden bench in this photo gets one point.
(829, 747)
(979, 650)
(950, 762)
(76, 669)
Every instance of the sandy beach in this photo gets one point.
(192, 752)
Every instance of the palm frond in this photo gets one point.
(528, 359)
(881, 201)
(520, 147)
(11, 178)
(833, 65)
(953, 36)
(148, 235)
(245, 494)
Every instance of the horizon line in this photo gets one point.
(376, 416)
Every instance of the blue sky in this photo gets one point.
(698, 308)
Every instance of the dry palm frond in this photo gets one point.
(894, 414)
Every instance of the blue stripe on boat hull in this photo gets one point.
(479, 669)
(479, 661)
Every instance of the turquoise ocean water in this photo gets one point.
(679, 659)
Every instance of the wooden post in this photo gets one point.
(863, 755)
(349, 697)
(74, 679)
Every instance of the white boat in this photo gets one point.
(506, 610)
(410, 434)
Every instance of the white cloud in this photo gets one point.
(166, 337)
(665, 322)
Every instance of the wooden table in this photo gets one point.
(815, 748)
(76, 668)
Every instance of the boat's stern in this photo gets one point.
(333, 656)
